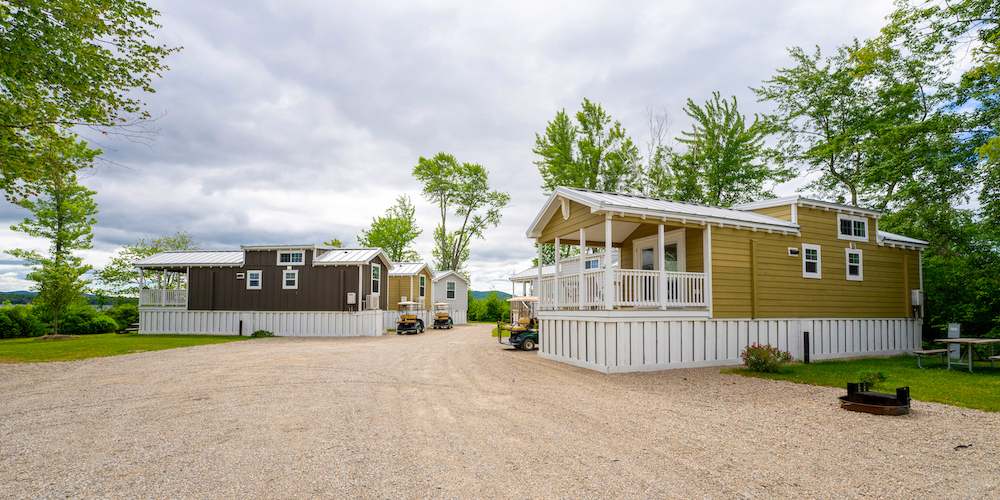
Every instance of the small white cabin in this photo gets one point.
(453, 288)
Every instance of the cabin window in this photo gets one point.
(291, 257)
(451, 289)
(592, 264)
(376, 278)
(811, 264)
(852, 228)
(854, 265)
(290, 280)
(423, 286)
(253, 280)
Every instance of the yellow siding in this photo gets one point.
(580, 217)
(783, 212)
(784, 293)
(400, 285)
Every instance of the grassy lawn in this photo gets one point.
(98, 346)
(958, 387)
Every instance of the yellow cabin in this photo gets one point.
(692, 285)
(410, 281)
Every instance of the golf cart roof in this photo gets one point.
(442, 304)
(527, 298)
(407, 303)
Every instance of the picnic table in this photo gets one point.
(966, 344)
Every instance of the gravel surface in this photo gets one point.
(451, 414)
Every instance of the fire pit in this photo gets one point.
(860, 398)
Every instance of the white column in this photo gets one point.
(707, 256)
(609, 279)
(163, 289)
(580, 289)
(659, 265)
(538, 292)
(555, 300)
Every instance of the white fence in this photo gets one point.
(392, 318)
(284, 323)
(633, 288)
(163, 298)
(646, 343)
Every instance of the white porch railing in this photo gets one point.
(163, 298)
(633, 288)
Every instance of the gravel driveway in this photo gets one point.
(450, 414)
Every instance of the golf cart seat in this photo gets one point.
(522, 326)
(441, 315)
(408, 317)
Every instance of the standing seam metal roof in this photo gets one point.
(344, 256)
(193, 259)
(406, 268)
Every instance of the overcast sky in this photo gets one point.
(297, 121)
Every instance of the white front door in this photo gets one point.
(673, 252)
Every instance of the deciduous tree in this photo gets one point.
(394, 232)
(121, 278)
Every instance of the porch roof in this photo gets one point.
(197, 258)
(351, 256)
(439, 275)
(407, 268)
(887, 238)
(655, 208)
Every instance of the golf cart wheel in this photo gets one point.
(528, 344)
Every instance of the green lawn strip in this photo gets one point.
(35, 350)
(958, 387)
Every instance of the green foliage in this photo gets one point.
(261, 334)
(64, 216)
(462, 189)
(335, 243)
(23, 322)
(872, 377)
(124, 315)
(394, 232)
(121, 278)
(66, 63)
(92, 346)
(980, 390)
(764, 358)
(79, 319)
(726, 161)
(492, 308)
(593, 153)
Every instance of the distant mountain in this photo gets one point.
(483, 295)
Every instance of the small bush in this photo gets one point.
(872, 377)
(765, 358)
(8, 328)
(25, 320)
(124, 314)
(261, 333)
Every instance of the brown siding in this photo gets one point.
(782, 292)
(321, 288)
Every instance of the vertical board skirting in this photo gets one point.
(607, 344)
(291, 324)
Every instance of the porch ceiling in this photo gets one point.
(620, 230)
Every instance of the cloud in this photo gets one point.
(300, 121)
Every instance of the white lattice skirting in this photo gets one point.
(284, 323)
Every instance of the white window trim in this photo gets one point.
(677, 236)
(453, 291)
(861, 264)
(260, 280)
(819, 261)
(284, 279)
(853, 218)
(422, 286)
(289, 252)
(376, 282)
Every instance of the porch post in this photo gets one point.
(609, 279)
(163, 289)
(555, 300)
(580, 289)
(538, 293)
(659, 265)
(707, 265)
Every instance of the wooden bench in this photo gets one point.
(931, 352)
(132, 329)
(993, 359)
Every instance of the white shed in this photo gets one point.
(452, 288)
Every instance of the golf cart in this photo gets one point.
(522, 331)
(409, 323)
(442, 316)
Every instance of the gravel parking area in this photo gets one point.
(451, 414)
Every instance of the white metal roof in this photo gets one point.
(196, 258)
(600, 201)
(807, 202)
(438, 275)
(886, 237)
(407, 268)
(350, 256)
(308, 246)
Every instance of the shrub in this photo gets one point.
(25, 322)
(764, 358)
(124, 314)
(80, 319)
(261, 333)
(8, 328)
